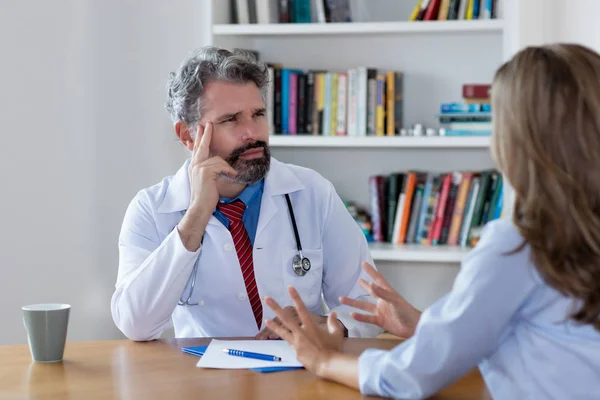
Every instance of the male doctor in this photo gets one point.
(202, 249)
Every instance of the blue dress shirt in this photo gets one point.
(251, 196)
(501, 317)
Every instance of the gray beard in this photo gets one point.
(250, 172)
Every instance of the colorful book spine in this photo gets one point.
(373, 95)
(380, 106)
(285, 100)
(342, 104)
(334, 103)
(293, 103)
(390, 100)
(352, 110)
(326, 126)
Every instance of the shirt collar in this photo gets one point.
(248, 194)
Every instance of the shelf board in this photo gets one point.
(380, 141)
(417, 253)
(358, 28)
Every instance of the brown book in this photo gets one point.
(444, 10)
(476, 91)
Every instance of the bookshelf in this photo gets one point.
(436, 57)
(417, 253)
(358, 28)
(358, 142)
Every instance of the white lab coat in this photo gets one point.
(155, 267)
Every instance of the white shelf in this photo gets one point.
(417, 253)
(380, 141)
(357, 28)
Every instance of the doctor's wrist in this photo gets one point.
(191, 228)
(322, 321)
(343, 327)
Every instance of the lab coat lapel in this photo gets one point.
(177, 196)
(279, 181)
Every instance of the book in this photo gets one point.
(433, 208)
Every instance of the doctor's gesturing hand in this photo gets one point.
(313, 345)
(292, 315)
(204, 195)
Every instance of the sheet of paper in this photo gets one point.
(214, 357)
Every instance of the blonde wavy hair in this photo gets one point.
(546, 141)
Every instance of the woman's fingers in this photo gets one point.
(377, 277)
(367, 287)
(370, 319)
(360, 304)
(287, 321)
(384, 294)
(303, 313)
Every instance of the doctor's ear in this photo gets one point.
(185, 134)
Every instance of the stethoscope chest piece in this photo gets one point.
(301, 265)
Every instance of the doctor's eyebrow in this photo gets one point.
(225, 117)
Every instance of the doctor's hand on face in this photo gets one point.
(204, 172)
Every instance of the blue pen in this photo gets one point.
(248, 354)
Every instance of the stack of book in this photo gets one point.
(431, 208)
(359, 101)
(290, 11)
(441, 10)
(472, 117)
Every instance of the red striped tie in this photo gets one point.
(234, 212)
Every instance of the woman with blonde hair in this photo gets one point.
(525, 306)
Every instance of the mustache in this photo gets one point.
(235, 154)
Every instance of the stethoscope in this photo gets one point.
(300, 264)
(192, 285)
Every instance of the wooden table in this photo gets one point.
(123, 369)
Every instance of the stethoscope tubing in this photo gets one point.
(298, 269)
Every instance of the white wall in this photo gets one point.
(83, 128)
(44, 102)
(578, 22)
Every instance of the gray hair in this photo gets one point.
(185, 87)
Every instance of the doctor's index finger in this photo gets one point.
(199, 132)
(280, 331)
(204, 142)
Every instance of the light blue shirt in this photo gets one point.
(251, 196)
(501, 317)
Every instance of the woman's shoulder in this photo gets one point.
(502, 250)
(501, 236)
